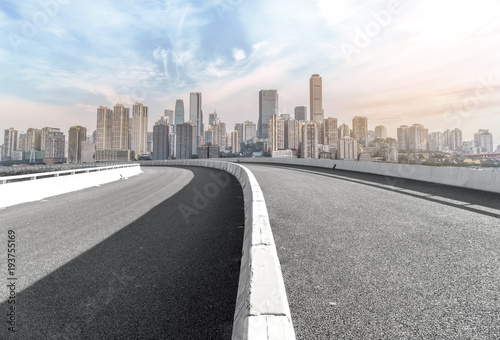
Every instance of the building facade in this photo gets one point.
(139, 129)
(268, 106)
(316, 98)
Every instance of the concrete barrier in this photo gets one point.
(34, 187)
(485, 180)
(262, 310)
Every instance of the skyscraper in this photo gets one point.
(212, 117)
(347, 148)
(77, 135)
(309, 140)
(104, 131)
(186, 140)
(34, 139)
(161, 139)
(268, 106)
(301, 113)
(316, 98)
(360, 130)
(484, 139)
(9, 142)
(179, 113)
(344, 131)
(235, 141)
(276, 133)
(139, 129)
(195, 114)
(249, 131)
(120, 128)
(291, 133)
(170, 115)
(331, 134)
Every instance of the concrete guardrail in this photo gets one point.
(34, 187)
(485, 180)
(262, 310)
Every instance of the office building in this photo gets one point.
(179, 113)
(170, 116)
(139, 129)
(249, 131)
(291, 134)
(55, 143)
(331, 134)
(316, 98)
(22, 143)
(76, 136)
(195, 113)
(161, 139)
(186, 140)
(301, 113)
(235, 141)
(268, 106)
(483, 139)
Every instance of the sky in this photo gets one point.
(435, 63)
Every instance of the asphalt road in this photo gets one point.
(370, 257)
(141, 258)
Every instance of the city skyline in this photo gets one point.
(443, 74)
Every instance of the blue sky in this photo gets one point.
(396, 62)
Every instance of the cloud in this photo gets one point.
(238, 54)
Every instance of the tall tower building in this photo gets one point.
(291, 133)
(344, 131)
(22, 144)
(195, 114)
(316, 98)
(139, 129)
(484, 139)
(249, 131)
(276, 133)
(235, 141)
(212, 117)
(360, 130)
(170, 115)
(77, 135)
(120, 128)
(268, 106)
(9, 142)
(380, 132)
(104, 131)
(309, 140)
(301, 113)
(347, 148)
(186, 140)
(161, 139)
(179, 113)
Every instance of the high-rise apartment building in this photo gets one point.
(344, 131)
(291, 140)
(453, 139)
(309, 140)
(301, 113)
(249, 131)
(403, 133)
(268, 106)
(9, 142)
(55, 142)
(34, 139)
(380, 132)
(276, 133)
(316, 98)
(139, 129)
(331, 134)
(235, 141)
(179, 113)
(416, 137)
(436, 141)
(484, 139)
(212, 117)
(387, 149)
(77, 135)
(360, 130)
(104, 131)
(347, 148)
(161, 139)
(186, 140)
(120, 128)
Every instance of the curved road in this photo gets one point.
(369, 257)
(149, 257)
